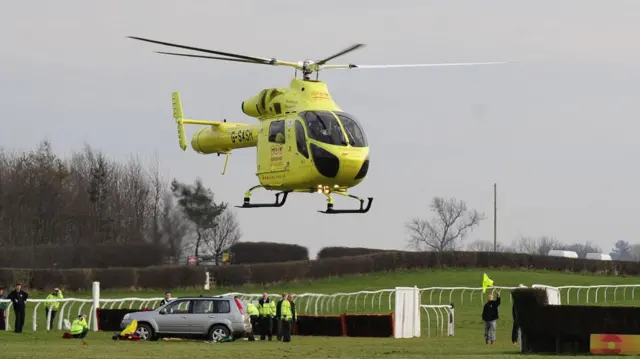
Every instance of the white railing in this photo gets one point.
(67, 308)
(336, 303)
(443, 313)
(626, 289)
(463, 290)
(318, 303)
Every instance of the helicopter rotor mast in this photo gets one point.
(307, 67)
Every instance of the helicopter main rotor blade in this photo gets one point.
(209, 57)
(345, 51)
(354, 66)
(244, 57)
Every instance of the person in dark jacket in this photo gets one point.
(19, 299)
(167, 298)
(3, 306)
(490, 317)
(516, 325)
(279, 315)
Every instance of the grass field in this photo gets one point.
(467, 342)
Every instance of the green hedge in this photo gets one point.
(110, 278)
(267, 252)
(267, 273)
(84, 256)
(235, 275)
(337, 252)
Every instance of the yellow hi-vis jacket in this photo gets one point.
(252, 310)
(54, 305)
(285, 310)
(267, 309)
(78, 326)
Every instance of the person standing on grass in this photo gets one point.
(288, 317)
(516, 325)
(19, 299)
(52, 306)
(3, 307)
(490, 318)
(279, 316)
(267, 310)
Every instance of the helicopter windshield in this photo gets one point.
(353, 128)
(323, 127)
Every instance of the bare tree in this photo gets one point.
(452, 222)
(174, 227)
(82, 201)
(158, 188)
(221, 237)
(537, 245)
(486, 246)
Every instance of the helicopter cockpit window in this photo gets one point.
(276, 132)
(355, 133)
(322, 126)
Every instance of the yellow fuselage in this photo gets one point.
(304, 140)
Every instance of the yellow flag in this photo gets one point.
(225, 257)
(486, 282)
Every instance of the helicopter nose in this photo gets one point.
(353, 165)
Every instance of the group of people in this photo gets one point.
(18, 298)
(490, 317)
(263, 314)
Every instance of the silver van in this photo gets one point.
(192, 317)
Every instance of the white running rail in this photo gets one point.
(443, 313)
(371, 301)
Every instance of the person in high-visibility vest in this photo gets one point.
(52, 306)
(254, 316)
(267, 310)
(79, 327)
(279, 316)
(287, 314)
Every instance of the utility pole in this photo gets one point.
(495, 218)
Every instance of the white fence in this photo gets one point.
(443, 313)
(431, 298)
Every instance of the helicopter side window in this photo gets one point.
(276, 132)
(301, 139)
(323, 126)
(355, 133)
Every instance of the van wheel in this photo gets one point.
(145, 332)
(218, 332)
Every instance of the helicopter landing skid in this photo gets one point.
(278, 203)
(362, 209)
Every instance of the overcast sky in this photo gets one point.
(557, 130)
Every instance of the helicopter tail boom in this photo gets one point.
(222, 137)
(219, 137)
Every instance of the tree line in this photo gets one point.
(88, 201)
(452, 222)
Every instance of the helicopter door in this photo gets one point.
(302, 149)
(277, 140)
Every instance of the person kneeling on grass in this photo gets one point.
(79, 327)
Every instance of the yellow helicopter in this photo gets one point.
(305, 142)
